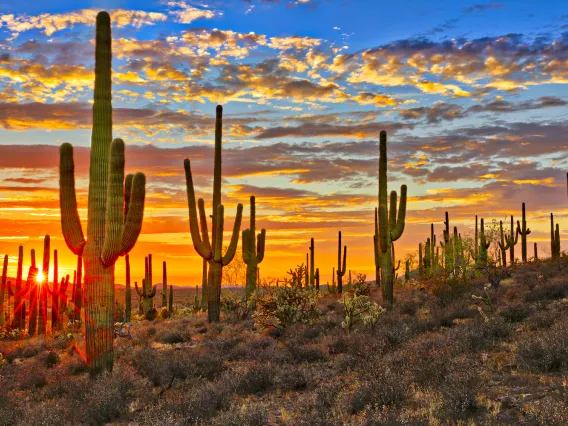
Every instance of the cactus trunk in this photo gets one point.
(204, 291)
(164, 285)
(128, 292)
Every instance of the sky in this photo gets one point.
(472, 94)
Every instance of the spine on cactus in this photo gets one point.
(376, 250)
(316, 279)
(312, 263)
(204, 279)
(171, 301)
(128, 291)
(211, 251)
(3, 286)
(523, 231)
(164, 285)
(503, 244)
(114, 214)
(390, 227)
(340, 266)
(42, 323)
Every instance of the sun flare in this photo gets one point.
(39, 277)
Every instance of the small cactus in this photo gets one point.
(340, 268)
(523, 231)
(554, 238)
(148, 291)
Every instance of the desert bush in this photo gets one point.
(360, 308)
(234, 308)
(552, 289)
(545, 350)
(290, 379)
(516, 313)
(252, 379)
(550, 411)
(306, 353)
(279, 307)
(238, 414)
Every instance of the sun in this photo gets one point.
(39, 277)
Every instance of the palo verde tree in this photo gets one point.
(115, 210)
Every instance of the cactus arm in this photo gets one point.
(114, 220)
(260, 243)
(200, 246)
(140, 293)
(152, 293)
(203, 223)
(246, 246)
(397, 231)
(392, 210)
(344, 260)
(70, 221)
(230, 254)
(127, 193)
(134, 212)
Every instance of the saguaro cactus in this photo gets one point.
(32, 310)
(212, 251)
(77, 295)
(316, 279)
(513, 239)
(483, 245)
(128, 291)
(148, 291)
(390, 228)
(19, 320)
(164, 285)
(503, 244)
(523, 231)
(62, 299)
(253, 249)
(312, 263)
(171, 301)
(554, 239)
(55, 314)
(3, 286)
(44, 286)
(204, 279)
(376, 250)
(340, 266)
(535, 252)
(115, 210)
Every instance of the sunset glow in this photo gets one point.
(473, 99)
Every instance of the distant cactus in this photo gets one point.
(476, 244)
(316, 279)
(503, 244)
(312, 263)
(307, 273)
(407, 271)
(420, 261)
(535, 252)
(340, 265)
(554, 239)
(376, 250)
(196, 301)
(483, 245)
(148, 291)
(3, 286)
(44, 286)
(62, 299)
(55, 295)
(19, 303)
(115, 210)
(212, 252)
(523, 231)
(253, 249)
(513, 239)
(171, 301)
(390, 227)
(128, 292)
(164, 285)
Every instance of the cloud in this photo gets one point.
(483, 7)
(187, 13)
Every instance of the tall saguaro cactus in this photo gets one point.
(3, 286)
(44, 286)
(148, 291)
(340, 266)
(128, 292)
(212, 251)
(513, 239)
(390, 227)
(253, 249)
(483, 245)
(19, 320)
(554, 238)
(523, 231)
(115, 210)
(503, 244)
(312, 263)
(164, 285)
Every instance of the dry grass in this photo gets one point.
(432, 360)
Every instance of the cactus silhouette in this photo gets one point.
(523, 231)
(312, 263)
(164, 285)
(128, 291)
(212, 251)
(483, 245)
(204, 279)
(554, 238)
(390, 227)
(3, 287)
(148, 291)
(253, 249)
(504, 244)
(340, 266)
(115, 210)
(44, 286)
(19, 319)
(376, 250)
(513, 239)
